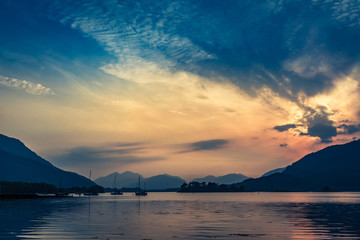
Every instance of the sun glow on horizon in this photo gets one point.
(173, 90)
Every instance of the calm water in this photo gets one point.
(185, 216)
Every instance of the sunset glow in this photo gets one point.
(185, 88)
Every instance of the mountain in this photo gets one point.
(277, 170)
(209, 178)
(130, 180)
(126, 179)
(19, 163)
(16, 147)
(336, 168)
(163, 181)
(226, 179)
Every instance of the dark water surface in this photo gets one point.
(185, 216)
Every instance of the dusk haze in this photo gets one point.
(120, 101)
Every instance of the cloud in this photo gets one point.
(213, 144)
(286, 127)
(323, 131)
(122, 153)
(345, 12)
(134, 31)
(290, 56)
(256, 48)
(350, 128)
(29, 87)
(125, 144)
(319, 124)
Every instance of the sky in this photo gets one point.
(187, 88)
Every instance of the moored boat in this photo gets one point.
(140, 192)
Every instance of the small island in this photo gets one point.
(209, 187)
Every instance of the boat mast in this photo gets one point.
(139, 183)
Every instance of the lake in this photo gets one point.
(185, 216)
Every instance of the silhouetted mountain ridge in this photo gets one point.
(130, 180)
(16, 147)
(277, 170)
(19, 163)
(126, 179)
(163, 181)
(335, 167)
(226, 179)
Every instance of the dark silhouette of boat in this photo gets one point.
(61, 193)
(139, 191)
(90, 193)
(116, 191)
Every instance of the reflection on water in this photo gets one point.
(185, 216)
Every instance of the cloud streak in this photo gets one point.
(213, 144)
(29, 87)
(119, 153)
(286, 127)
(135, 32)
(349, 128)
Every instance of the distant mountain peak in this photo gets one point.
(210, 176)
(225, 179)
(129, 173)
(129, 180)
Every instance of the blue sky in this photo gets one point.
(282, 75)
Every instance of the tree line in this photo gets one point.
(209, 187)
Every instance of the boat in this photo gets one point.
(90, 193)
(61, 193)
(140, 192)
(116, 191)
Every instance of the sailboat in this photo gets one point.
(116, 191)
(60, 193)
(139, 191)
(90, 193)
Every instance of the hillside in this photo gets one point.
(226, 179)
(277, 170)
(163, 181)
(19, 163)
(336, 168)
